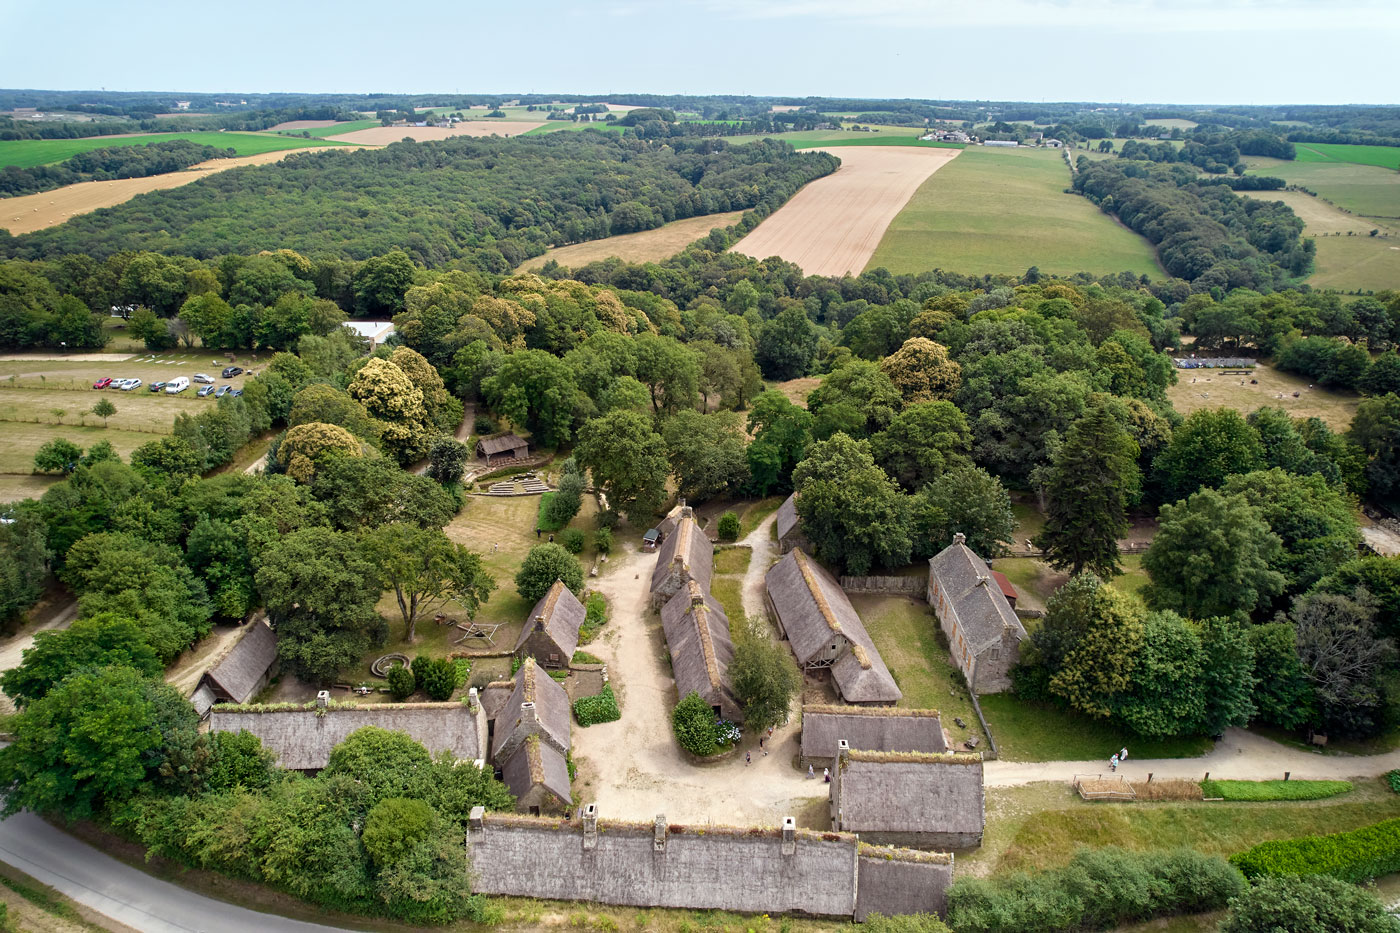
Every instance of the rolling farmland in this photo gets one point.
(1005, 210)
(832, 226)
(1382, 156)
(645, 246)
(1368, 190)
(384, 135)
(27, 153)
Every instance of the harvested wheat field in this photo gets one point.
(32, 212)
(832, 226)
(645, 246)
(1317, 215)
(301, 125)
(384, 135)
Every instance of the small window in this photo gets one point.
(994, 654)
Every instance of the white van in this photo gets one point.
(176, 386)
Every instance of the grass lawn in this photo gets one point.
(912, 646)
(1041, 732)
(732, 560)
(753, 514)
(646, 246)
(1212, 390)
(1383, 156)
(1133, 578)
(21, 440)
(320, 132)
(27, 153)
(1029, 520)
(1361, 261)
(1005, 210)
(1275, 790)
(729, 590)
(17, 486)
(1368, 190)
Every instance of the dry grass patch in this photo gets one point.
(1350, 262)
(1167, 790)
(384, 135)
(797, 390)
(16, 486)
(1198, 389)
(645, 246)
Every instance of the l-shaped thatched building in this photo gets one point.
(530, 742)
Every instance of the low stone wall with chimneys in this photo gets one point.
(747, 870)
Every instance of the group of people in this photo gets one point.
(1118, 759)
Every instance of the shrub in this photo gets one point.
(542, 566)
(1355, 856)
(1392, 778)
(729, 526)
(1302, 905)
(437, 677)
(583, 657)
(573, 541)
(1275, 790)
(393, 826)
(601, 708)
(694, 724)
(564, 504)
(402, 683)
(602, 540)
(1098, 889)
(464, 670)
(483, 425)
(594, 618)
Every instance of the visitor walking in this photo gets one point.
(826, 775)
(1123, 755)
(748, 758)
(810, 773)
(1113, 763)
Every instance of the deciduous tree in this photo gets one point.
(627, 460)
(853, 514)
(922, 372)
(764, 676)
(922, 442)
(425, 569)
(545, 564)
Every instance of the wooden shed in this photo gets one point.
(501, 448)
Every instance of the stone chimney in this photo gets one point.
(658, 838)
(323, 699)
(590, 826)
(473, 698)
(843, 748)
(528, 713)
(960, 538)
(789, 836)
(476, 822)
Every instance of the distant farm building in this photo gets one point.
(1002, 143)
(685, 554)
(789, 532)
(550, 634)
(822, 626)
(983, 632)
(697, 635)
(909, 799)
(868, 728)
(246, 669)
(530, 742)
(501, 448)
(376, 332)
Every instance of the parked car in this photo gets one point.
(205, 390)
(130, 384)
(157, 386)
(203, 379)
(235, 392)
(222, 391)
(102, 383)
(120, 383)
(178, 385)
(231, 371)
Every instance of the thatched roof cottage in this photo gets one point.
(685, 554)
(789, 533)
(302, 739)
(247, 668)
(822, 626)
(983, 632)
(550, 634)
(909, 799)
(530, 741)
(538, 775)
(697, 635)
(869, 728)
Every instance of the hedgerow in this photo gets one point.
(1275, 790)
(1355, 856)
(595, 709)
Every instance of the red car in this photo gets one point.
(102, 383)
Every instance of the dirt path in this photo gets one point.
(763, 551)
(635, 768)
(12, 649)
(1240, 755)
(189, 667)
(833, 225)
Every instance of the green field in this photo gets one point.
(27, 153)
(1383, 156)
(1005, 210)
(1351, 262)
(320, 132)
(1368, 190)
(811, 139)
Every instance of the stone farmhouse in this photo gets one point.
(789, 534)
(983, 631)
(685, 554)
(550, 634)
(697, 635)
(868, 728)
(302, 739)
(247, 668)
(530, 741)
(822, 627)
(911, 799)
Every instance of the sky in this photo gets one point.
(1135, 51)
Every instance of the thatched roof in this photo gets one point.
(697, 634)
(549, 717)
(302, 739)
(875, 728)
(535, 763)
(787, 516)
(812, 608)
(494, 696)
(490, 446)
(561, 615)
(972, 592)
(687, 546)
(237, 676)
(202, 699)
(910, 793)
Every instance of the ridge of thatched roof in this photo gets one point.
(909, 793)
(896, 854)
(804, 566)
(688, 547)
(870, 728)
(787, 516)
(237, 676)
(302, 739)
(697, 635)
(937, 758)
(501, 818)
(561, 615)
(550, 717)
(888, 712)
(974, 596)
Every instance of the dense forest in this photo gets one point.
(107, 164)
(494, 202)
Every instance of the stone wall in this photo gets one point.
(890, 586)
(700, 867)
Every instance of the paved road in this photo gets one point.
(121, 892)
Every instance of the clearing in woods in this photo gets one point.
(644, 246)
(384, 135)
(832, 226)
(27, 153)
(1348, 257)
(1003, 211)
(1213, 390)
(31, 212)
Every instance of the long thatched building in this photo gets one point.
(869, 728)
(530, 742)
(686, 554)
(909, 798)
(697, 635)
(984, 634)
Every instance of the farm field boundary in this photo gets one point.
(644, 246)
(384, 135)
(27, 153)
(833, 225)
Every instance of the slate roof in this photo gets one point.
(870, 728)
(552, 709)
(562, 615)
(812, 607)
(787, 516)
(967, 582)
(697, 634)
(302, 739)
(688, 543)
(238, 674)
(490, 446)
(537, 763)
(910, 793)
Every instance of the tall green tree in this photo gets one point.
(853, 514)
(1095, 476)
(781, 434)
(89, 643)
(1211, 444)
(24, 557)
(670, 371)
(922, 442)
(545, 564)
(1376, 428)
(786, 345)
(426, 569)
(1100, 657)
(1283, 694)
(536, 391)
(627, 459)
(707, 453)
(765, 678)
(966, 500)
(1313, 519)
